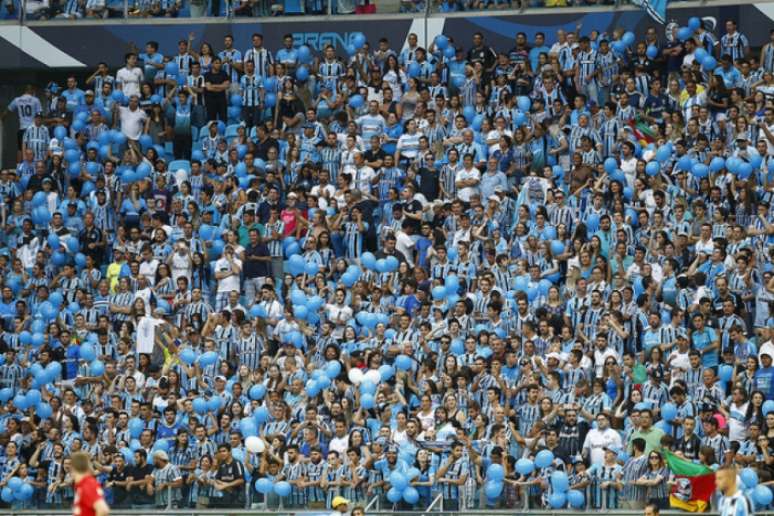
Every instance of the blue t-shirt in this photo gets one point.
(702, 340)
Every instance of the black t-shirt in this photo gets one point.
(229, 473)
(262, 148)
(290, 107)
(256, 268)
(371, 155)
(428, 183)
(413, 207)
(119, 492)
(139, 494)
(215, 78)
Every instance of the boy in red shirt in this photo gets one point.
(89, 498)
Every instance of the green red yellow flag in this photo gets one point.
(694, 484)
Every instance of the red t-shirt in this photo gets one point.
(87, 493)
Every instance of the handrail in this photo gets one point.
(438, 500)
(374, 500)
(521, 9)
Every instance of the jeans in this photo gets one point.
(252, 288)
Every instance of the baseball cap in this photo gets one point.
(339, 500)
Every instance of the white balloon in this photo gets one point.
(373, 376)
(254, 444)
(355, 376)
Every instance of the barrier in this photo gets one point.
(41, 45)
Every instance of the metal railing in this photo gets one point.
(285, 512)
(385, 8)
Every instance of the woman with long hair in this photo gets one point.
(654, 480)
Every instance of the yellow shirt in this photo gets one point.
(685, 96)
(113, 273)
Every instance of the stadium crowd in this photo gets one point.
(529, 276)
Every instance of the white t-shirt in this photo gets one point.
(405, 245)
(148, 269)
(132, 122)
(130, 79)
(181, 267)
(361, 179)
(467, 192)
(231, 282)
(596, 440)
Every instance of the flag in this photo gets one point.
(655, 8)
(694, 484)
(642, 132)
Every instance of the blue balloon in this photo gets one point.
(441, 42)
(282, 489)
(684, 33)
(524, 104)
(209, 358)
(188, 356)
(628, 38)
(403, 362)
(663, 153)
(576, 499)
(744, 171)
(411, 495)
(386, 371)
(136, 426)
(304, 54)
(469, 112)
(668, 412)
(694, 23)
(439, 292)
(413, 69)
(525, 467)
(171, 68)
(495, 472)
(392, 263)
(7, 493)
(651, 52)
(257, 391)
(493, 489)
(394, 495)
(358, 39)
(699, 54)
(247, 427)
(557, 500)
(749, 478)
(261, 415)
(87, 352)
(5, 394)
(300, 312)
(96, 368)
(709, 63)
(302, 73)
(652, 168)
(367, 401)
(717, 164)
(43, 410)
(398, 480)
(25, 492)
(761, 495)
(264, 486)
(544, 459)
(200, 405)
(356, 101)
(725, 372)
(559, 481)
(700, 170)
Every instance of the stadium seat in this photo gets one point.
(231, 132)
(178, 164)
